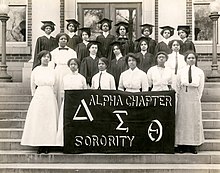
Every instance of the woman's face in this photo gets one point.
(62, 41)
(93, 49)
(132, 63)
(182, 34)
(122, 30)
(73, 66)
(161, 59)
(116, 50)
(101, 65)
(105, 27)
(146, 32)
(175, 46)
(85, 36)
(144, 46)
(71, 28)
(48, 30)
(45, 60)
(166, 34)
(191, 59)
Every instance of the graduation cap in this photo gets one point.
(105, 20)
(171, 29)
(125, 24)
(92, 42)
(146, 25)
(73, 21)
(185, 28)
(48, 23)
(86, 29)
(142, 39)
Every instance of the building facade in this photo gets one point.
(23, 27)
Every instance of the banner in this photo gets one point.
(104, 121)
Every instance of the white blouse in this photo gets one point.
(107, 81)
(133, 80)
(159, 78)
(198, 78)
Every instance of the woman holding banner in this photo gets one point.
(189, 128)
(133, 79)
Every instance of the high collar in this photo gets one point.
(92, 56)
(48, 36)
(71, 34)
(105, 34)
(118, 57)
(166, 40)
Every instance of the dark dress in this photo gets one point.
(146, 61)
(151, 46)
(88, 68)
(105, 44)
(82, 51)
(116, 68)
(161, 46)
(74, 41)
(187, 45)
(43, 43)
(127, 45)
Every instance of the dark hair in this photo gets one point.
(172, 41)
(40, 55)
(109, 25)
(149, 28)
(88, 32)
(133, 56)
(61, 34)
(105, 60)
(163, 53)
(92, 43)
(171, 32)
(75, 27)
(73, 59)
(191, 52)
(139, 45)
(117, 30)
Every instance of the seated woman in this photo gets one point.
(133, 79)
(72, 81)
(102, 79)
(160, 77)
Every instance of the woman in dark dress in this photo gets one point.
(81, 48)
(105, 38)
(146, 58)
(183, 32)
(89, 64)
(45, 42)
(72, 27)
(167, 32)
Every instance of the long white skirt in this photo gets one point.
(41, 122)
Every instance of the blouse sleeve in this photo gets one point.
(112, 83)
(120, 85)
(201, 84)
(33, 85)
(144, 83)
(84, 82)
(93, 83)
(178, 83)
(149, 77)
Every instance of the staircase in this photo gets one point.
(14, 102)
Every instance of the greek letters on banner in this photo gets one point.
(103, 121)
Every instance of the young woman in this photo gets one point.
(45, 42)
(105, 38)
(71, 81)
(103, 80)
(89, 65)
(190, 84)
(133, 79)
(81, 49)
(146, 58)
(60, 56)
(160, 77)
(40, 127)
(175, 60)
(72, 27)
(167, 32)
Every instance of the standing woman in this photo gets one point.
(40, 127)
(72, 27)
(159, 76)
(118, 64)
(167, 32)
(60, 57)
(81, 49)
(133, 79)
(45, 42)
(71, 81)
(190, 84)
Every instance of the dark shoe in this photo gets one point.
(40, 150)
(181, 149)
(46, 150)
(193, 150)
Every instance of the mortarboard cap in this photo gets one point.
(125, 24)
(185, 28)
(48, 23)
(86, 29)
(171, 29)
(105, 20)
(142, 38)
(73, 21)
(146, 25)
(92, 42)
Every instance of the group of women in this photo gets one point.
(110, 63)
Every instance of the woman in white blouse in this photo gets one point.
(189, 128)
(103, 80)
(133, 79)
(159, 76)
(71, 81)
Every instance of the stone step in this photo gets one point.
(110, 168)
(211, 114)
(14, 105)
(211, 95)
(15, 98)
(212, 133)
(13, 114)
(211, 106)
(210, 145)
(27, 156)
(15, 91)
(211, 123)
